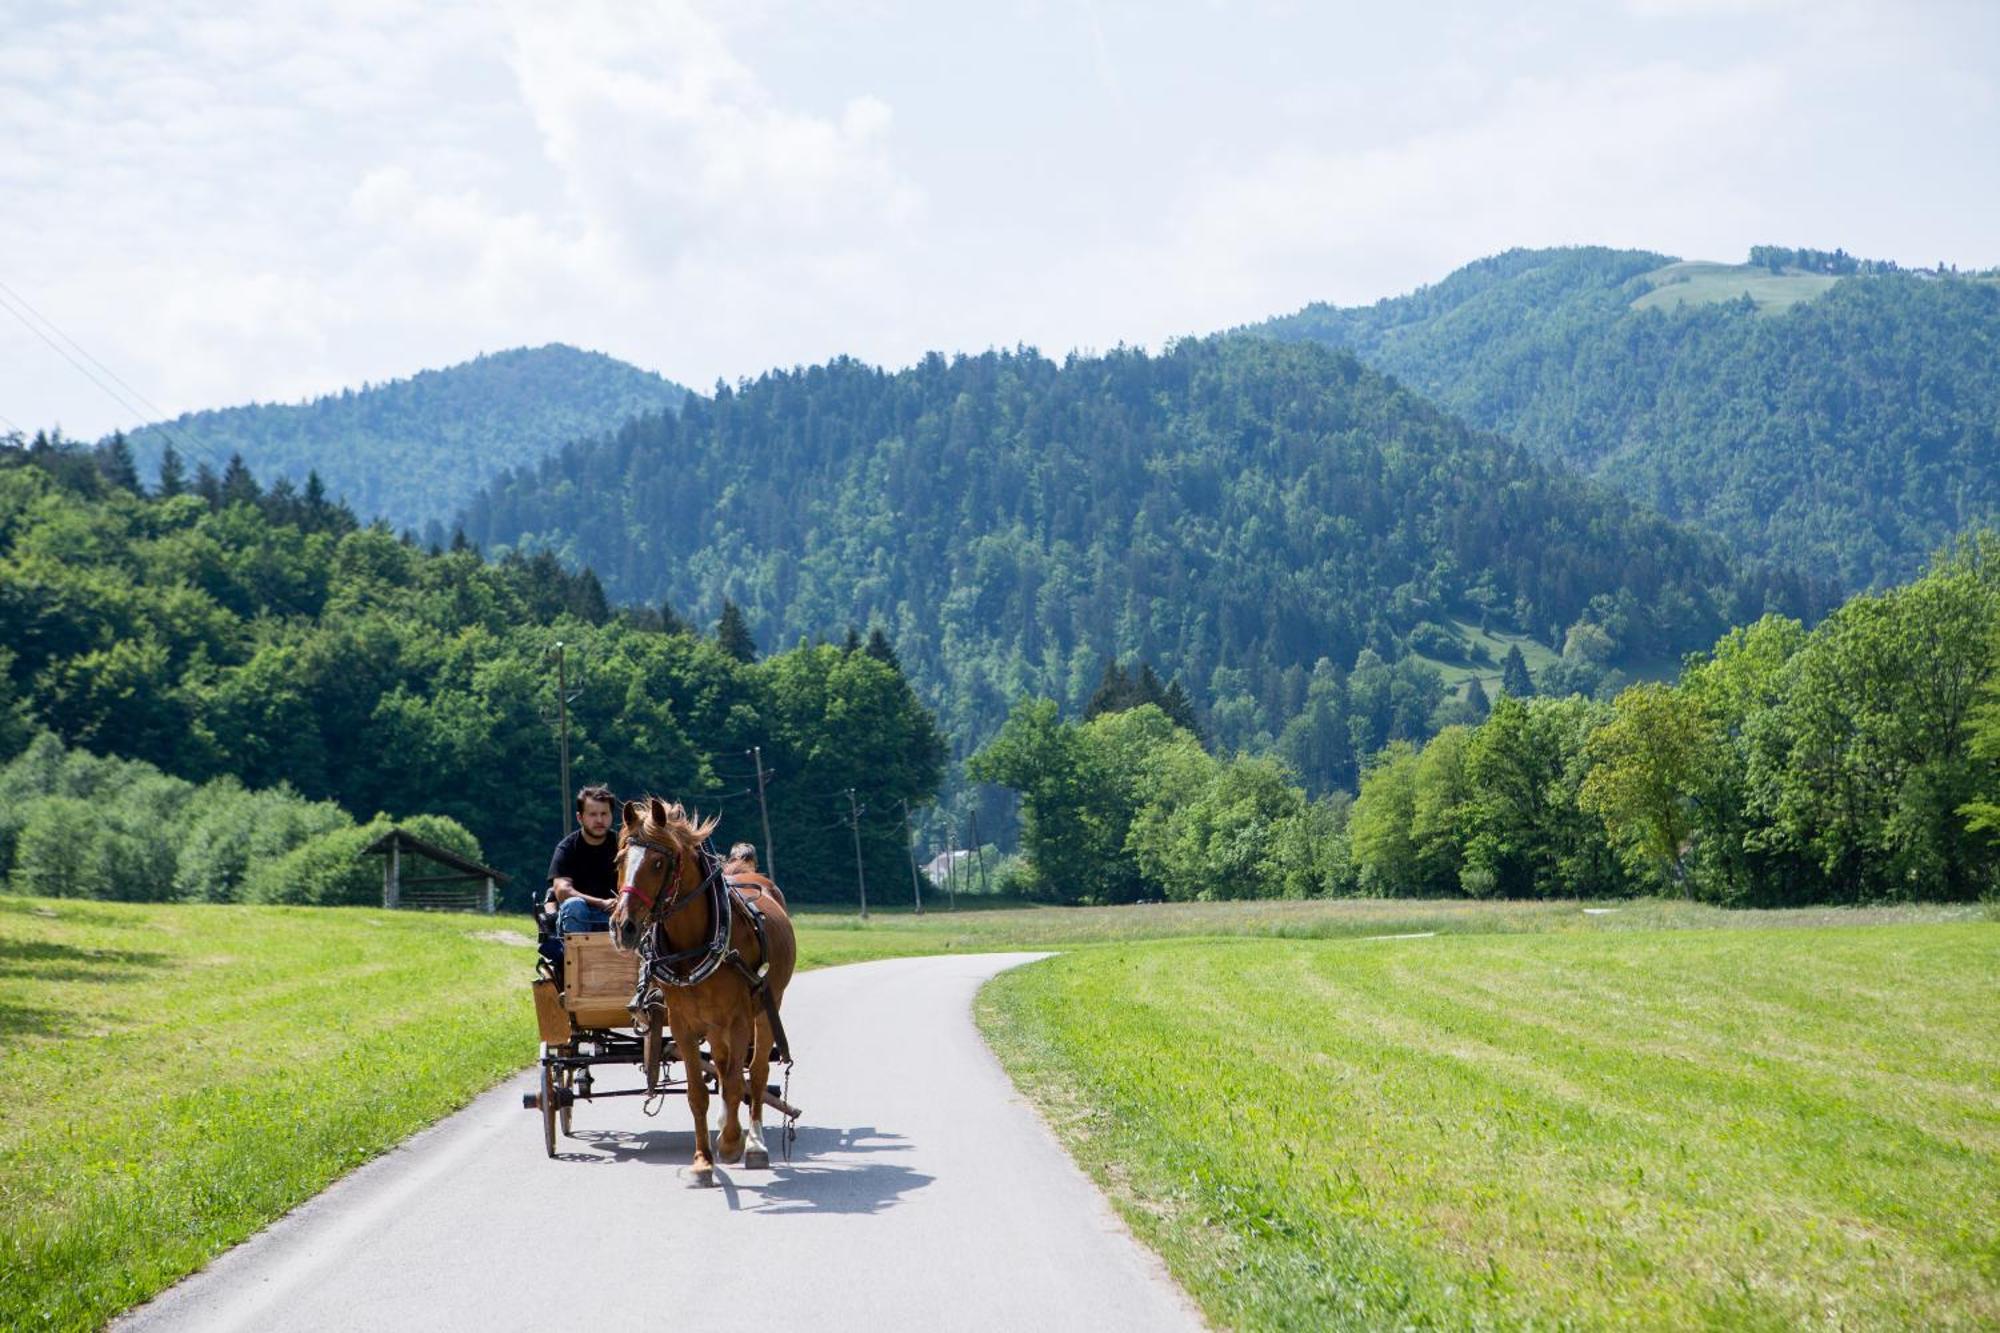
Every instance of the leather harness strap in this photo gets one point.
(725, 901)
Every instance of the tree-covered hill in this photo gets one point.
(1835, 415)
(1233, 512)
(413, 451)
(267, 639)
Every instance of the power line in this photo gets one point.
(13, 298)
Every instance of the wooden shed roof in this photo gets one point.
(409, 842)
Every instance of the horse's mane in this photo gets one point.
(686, 829)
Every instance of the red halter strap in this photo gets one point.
(645, 899)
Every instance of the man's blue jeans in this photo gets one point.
(575, 915)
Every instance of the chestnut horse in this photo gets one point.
(724, 946)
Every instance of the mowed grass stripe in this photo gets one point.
(1652, 1129)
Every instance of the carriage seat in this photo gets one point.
(597, 985)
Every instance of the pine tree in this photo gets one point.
(732, 633)
(1514, 677)
(1475, 695)
(882, 650)
(1177, 706)
(1113, 692)
(114, 460)
(238, 486)
(173, 476)
(671, 621)
(207, 486)
(852, 643)
(586, 598)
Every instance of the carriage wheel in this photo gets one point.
(549, 1107)
(567, 1082)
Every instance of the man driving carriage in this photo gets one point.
(583, 872)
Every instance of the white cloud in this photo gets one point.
(1604, 157)
(228, 203)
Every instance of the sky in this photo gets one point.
(212, 202)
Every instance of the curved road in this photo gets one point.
(922, 1193)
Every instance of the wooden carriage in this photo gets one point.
(585, 1020)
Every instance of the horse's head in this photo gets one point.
(659, 860)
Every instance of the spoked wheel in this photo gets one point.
(549, 1107)
(567, 1082)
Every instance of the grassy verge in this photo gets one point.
(1665, 1129)
(177, 1077)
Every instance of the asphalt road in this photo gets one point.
(922, 1192)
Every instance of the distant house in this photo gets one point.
(954, 863)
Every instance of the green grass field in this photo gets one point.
(1617, 1128)
(1701, 283)
(179, 1076)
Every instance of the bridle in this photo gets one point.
(629, 883)
(701, 960)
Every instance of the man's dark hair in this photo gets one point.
(599, 792)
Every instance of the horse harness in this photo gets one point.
(687, 968)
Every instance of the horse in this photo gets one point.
(725, 943)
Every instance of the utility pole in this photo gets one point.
(562, 715)
(770, 855)
(911, 847)
(860, 875)
(979, 850)
(951, 862)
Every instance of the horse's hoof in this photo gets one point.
(701, 1177)
(725, 1153)
(757, 1159)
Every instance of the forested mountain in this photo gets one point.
(1834, 415)
(1254, 519)
(268, 639)
(413, 451)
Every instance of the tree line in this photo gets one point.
(78, 825)
(256, 634)
(1853, 762)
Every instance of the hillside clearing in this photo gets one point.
(1699, 282)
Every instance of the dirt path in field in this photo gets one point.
(922, 1193)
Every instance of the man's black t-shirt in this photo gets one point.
(594, 870)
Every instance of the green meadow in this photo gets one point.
(1742, 1128)
(1442, 1126)
(1702, 283)
(178, 1076)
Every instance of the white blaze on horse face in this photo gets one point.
(635, 857)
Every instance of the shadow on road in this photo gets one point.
(831, 1170)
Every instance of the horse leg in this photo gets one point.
(728, 1052)
(756, 1156)
(702, 1170)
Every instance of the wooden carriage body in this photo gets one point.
(594, 993)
